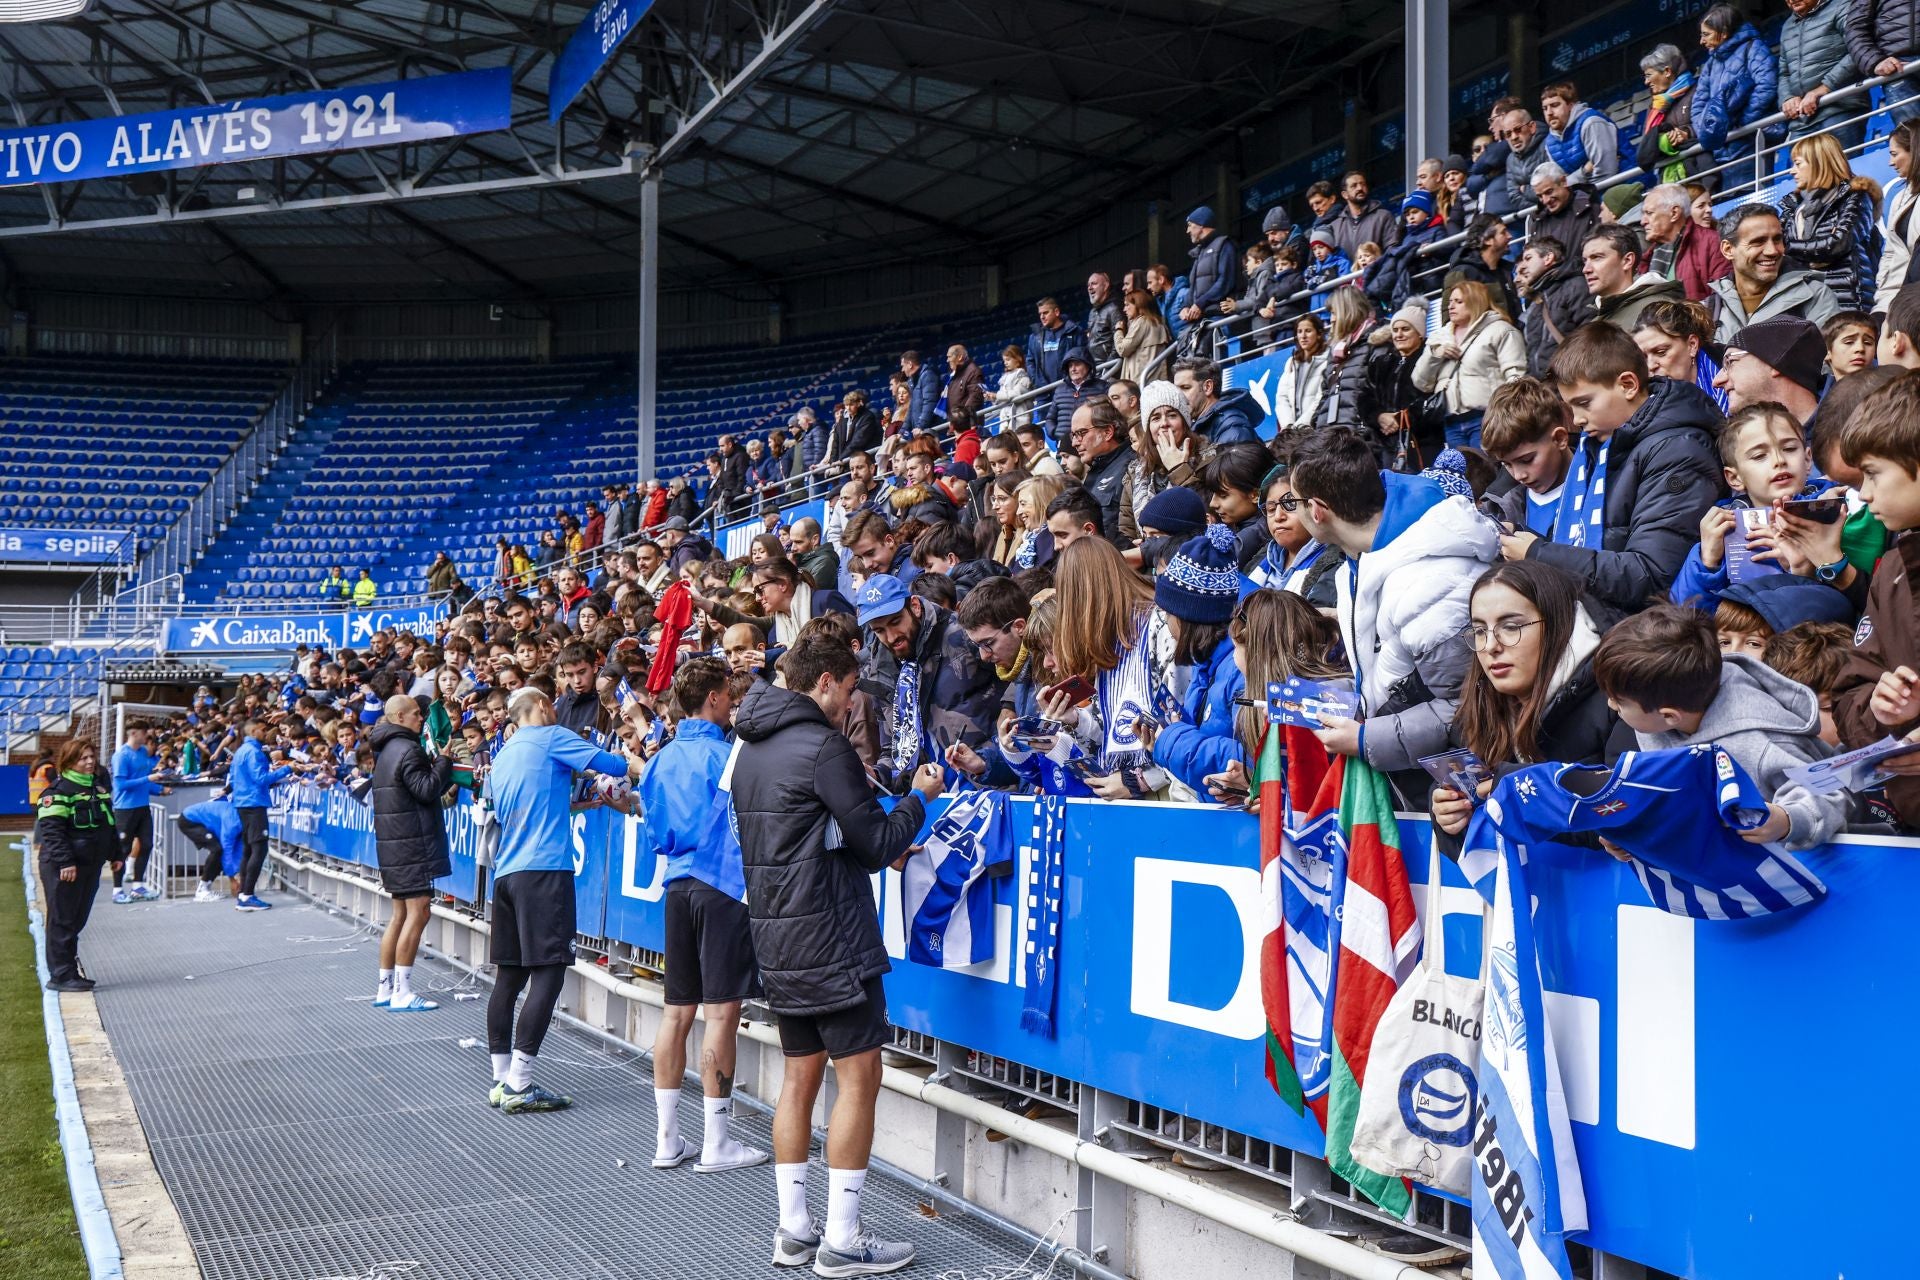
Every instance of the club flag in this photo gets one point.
(1379, 946)
(1528, 1196)
(945, 894)
(1300, 856)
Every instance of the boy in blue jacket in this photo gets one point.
(1764, 453)
(1197, 592)
(213, 826)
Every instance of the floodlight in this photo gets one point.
(40, 10)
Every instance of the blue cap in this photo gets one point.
(880, 596)
(1202, 217)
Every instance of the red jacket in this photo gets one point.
(1699, 261)
(594, 530)
(656, 509)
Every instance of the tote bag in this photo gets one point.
(1416, 1108)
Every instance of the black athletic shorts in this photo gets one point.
(709, 946)
(134, 824)
(413, 880)
(839, 1034)
(532, 918)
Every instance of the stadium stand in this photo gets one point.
(88, 441)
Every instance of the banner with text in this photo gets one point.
(66, 546)
(1668, 1029)
(323, 120)
(589, 48)
(280, 632)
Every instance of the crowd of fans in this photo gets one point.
(1652, 460)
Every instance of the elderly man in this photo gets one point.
(966, 393)
(1099, 436)
(1682, 249)
(1760, 288)
(1360, 218)
(1103, 317)
(1566, 213)
(410, 842)
(1526, 150)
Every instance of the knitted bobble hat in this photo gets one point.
(1156, 394)
(1202, 581)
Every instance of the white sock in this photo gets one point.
(714, 1138)
(792, 1181)
(520, 1074)
(666, 1107)
(402, 982)
(386, 984)
(502, 1063)
(843, 1206)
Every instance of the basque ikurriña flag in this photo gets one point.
(1300, 852)
(1527, 1195)
(1379, 946)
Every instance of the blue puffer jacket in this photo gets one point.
(1204, 742)
(924, 398)
(1389, 280)
(1735, 85)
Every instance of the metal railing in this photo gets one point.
(209, 511)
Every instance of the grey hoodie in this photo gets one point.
(1768, 724)
(1796, 293)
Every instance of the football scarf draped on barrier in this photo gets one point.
(945, 896)
(1527, 1193)
(1042, 899)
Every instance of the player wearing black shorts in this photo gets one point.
(136, 776)
(410, 841)
(812, 832)
(531, 947)
(709, 940)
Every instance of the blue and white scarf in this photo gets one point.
(1581, 520)
(1025, 554)
(906, 717)
(1044, 892)
(1126, 694)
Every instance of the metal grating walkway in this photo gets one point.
(304, 1135)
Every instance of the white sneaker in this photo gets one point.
(790, 1250)
(205, 892)
(731, 1154)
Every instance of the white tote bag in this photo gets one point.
(1416, 1108)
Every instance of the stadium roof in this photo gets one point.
(885, 129)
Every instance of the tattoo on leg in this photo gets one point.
(726, 1085)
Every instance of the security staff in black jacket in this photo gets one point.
(812, 833)
(410, 841)
(75, 834)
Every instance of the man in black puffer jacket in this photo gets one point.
(410, 839)
(812, 833)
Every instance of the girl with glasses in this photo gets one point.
(1530, 695)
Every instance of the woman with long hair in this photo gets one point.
(1277, 635)
(765, 549)
(1166, 452)
(1233, 481)
(73, 830)
(1735, 85)
(1829, 219)
(1304, 378)
(443, 713)
(1677, 339)
(1103, 636)
(1345, 400)
(1035, 548)
(1899, 223)
(1005, 531)
(1478, 351)
(1141, 337)
(1530, 695)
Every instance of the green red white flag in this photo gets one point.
(1379, 946)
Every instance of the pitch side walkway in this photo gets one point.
(304, 1135)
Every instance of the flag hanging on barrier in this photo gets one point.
(1528, 1195)
(1299, 789)
(1379, 946)
(1045, 890)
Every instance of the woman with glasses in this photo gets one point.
(1530, 696)
(1293, 560)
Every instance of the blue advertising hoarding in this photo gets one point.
(66, 546)
(588, 50)
(280, 632)
(1678, 1038)
(322, 120)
